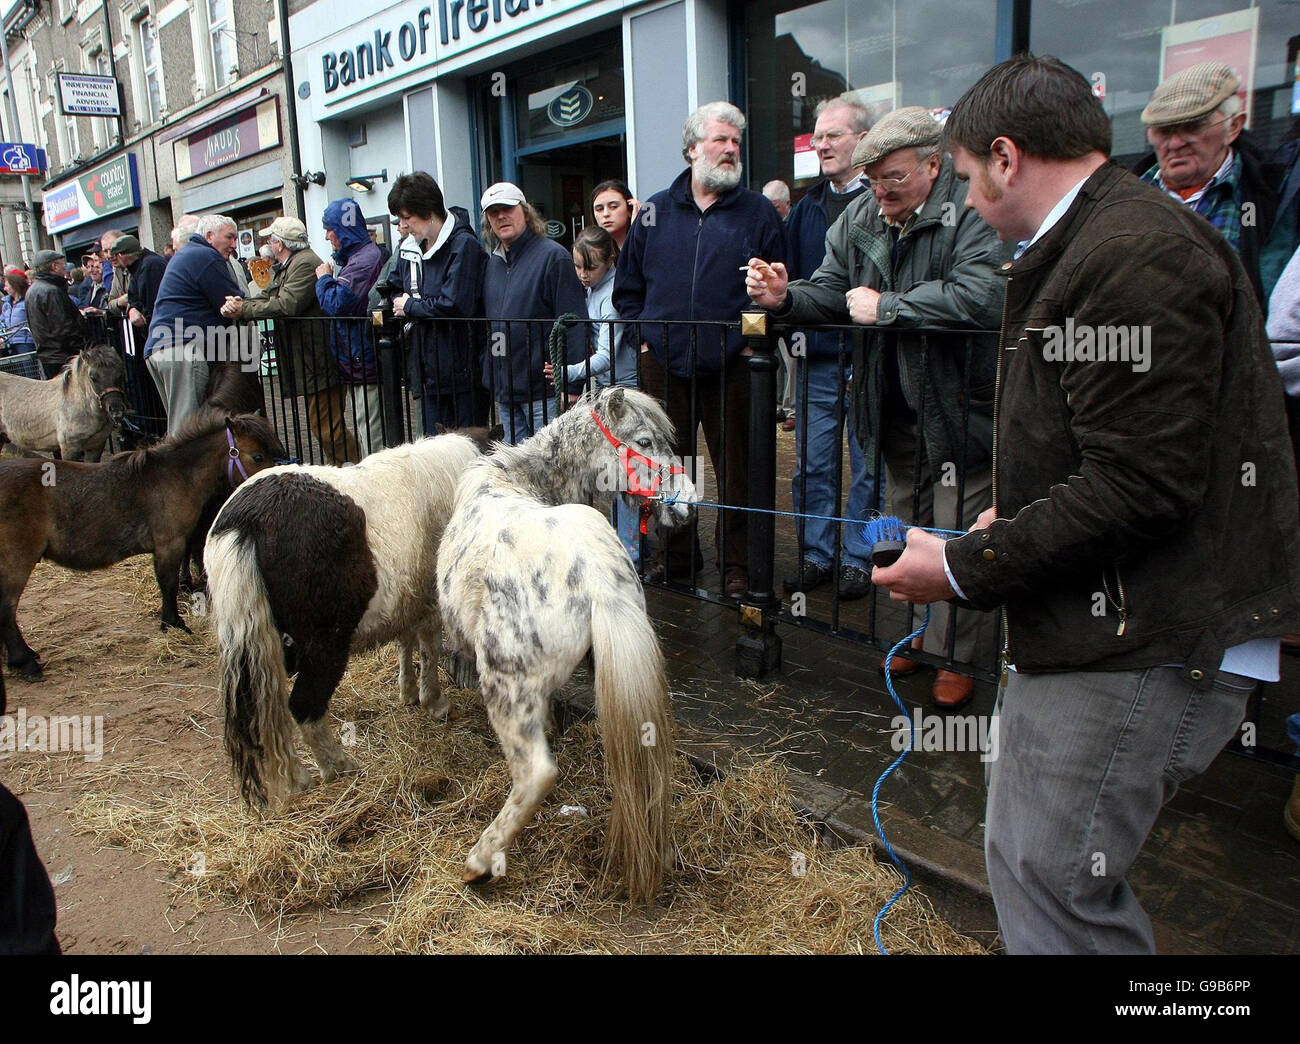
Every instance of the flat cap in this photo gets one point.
(911, 127)
(287, 230)
(125, 245)
(44, 258)
(1188, 95)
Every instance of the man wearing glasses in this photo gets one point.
(1205, 159)
(910, 254)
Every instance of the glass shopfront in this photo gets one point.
(891, 53)
(555, 125)
(927, 52)
(1126, 46)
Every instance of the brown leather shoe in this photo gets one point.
(736, 585)
(902, 665)
(952, 691)
(1291, 812)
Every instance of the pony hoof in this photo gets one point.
(439, 711)
(477, 878)
(178, 624)
(32, 672)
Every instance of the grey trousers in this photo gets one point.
(365, 411)
(976, 639)
(1085, 762)
(181, 377)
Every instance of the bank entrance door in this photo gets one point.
(554, 125)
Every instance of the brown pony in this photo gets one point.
(91, 516)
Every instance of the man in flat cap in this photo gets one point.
(307, 364)
(52, 316)
(910, 254)
(145, 271)
(1205, 158)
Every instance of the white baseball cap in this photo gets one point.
(502, 194)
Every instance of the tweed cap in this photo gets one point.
(125, 245)
(287, 230)
(907, 128)
(44, 258)
(1188, 95)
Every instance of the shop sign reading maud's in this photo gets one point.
(242, 134)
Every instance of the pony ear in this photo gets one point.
(614, 402)
(496, 433)
(229, 427)
(440, 429)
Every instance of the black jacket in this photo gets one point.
(444, 358)
(1162, 488)
(146, 276)
(55, 322)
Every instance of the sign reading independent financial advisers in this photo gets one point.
(81, 94)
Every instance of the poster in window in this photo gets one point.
(1230, 38)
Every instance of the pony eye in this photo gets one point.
(258, 458)
(643, 443)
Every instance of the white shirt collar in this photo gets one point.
(444, 234)
(856, 183)
(1053, 216)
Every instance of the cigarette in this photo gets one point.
(760, 266)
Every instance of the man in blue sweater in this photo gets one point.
(685, 258)
(187, 330)
(823, 409)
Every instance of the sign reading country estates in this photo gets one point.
(81, 94)
(231, 138)
(106, 189)
(17, 157)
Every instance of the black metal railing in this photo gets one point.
(404, 385)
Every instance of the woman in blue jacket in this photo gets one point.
(13, 314)
(528, 277)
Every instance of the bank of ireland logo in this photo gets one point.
(572, 107)
(554, 229)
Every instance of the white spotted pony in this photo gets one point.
(530, 579)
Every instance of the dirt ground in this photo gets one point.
(98, 634)
(119, 834)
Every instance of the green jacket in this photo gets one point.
(945, 275)
(302, 347)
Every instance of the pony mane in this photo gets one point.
(198, 426)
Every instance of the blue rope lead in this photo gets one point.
(672, 499)
(875, 791)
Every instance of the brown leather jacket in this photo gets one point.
(1147, 507)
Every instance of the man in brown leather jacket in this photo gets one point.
(1142, 535)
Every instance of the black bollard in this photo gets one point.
(386, 328)
(758, 649)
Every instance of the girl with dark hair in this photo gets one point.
(614, 208)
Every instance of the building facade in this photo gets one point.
(558, 95)
(203, 124)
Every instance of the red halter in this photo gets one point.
(635, 486)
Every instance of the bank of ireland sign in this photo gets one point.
(106, 189)
(410, 36)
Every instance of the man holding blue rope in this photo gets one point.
(1142, 536)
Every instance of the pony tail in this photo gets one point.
(254, 684)
(636, 726)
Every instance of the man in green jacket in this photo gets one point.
(908, 255)
(307, 367)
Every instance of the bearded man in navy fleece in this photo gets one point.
(684, 258)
